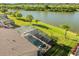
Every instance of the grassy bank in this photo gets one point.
(53, 32)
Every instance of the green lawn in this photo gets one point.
(56, 33)
(1, 12)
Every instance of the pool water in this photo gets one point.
(35, 41)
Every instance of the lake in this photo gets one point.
(56, 18)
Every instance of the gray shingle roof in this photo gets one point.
(11, 43)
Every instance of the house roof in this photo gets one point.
(11, 43)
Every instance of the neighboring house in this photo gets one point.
(13, 44)
(4, 21)
(75, 51)
(1, 23)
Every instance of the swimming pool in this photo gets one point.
(35, 41)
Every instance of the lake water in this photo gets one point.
(56, 19)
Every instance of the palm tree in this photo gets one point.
(66, 27)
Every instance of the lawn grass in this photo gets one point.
(58, 50)
(52, 31)
(1, 12)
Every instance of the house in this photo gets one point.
(13, 44)
(4, 21)
(75, 51)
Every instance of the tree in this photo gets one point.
(37, 21)
(4, 10)
(29, 17)
(77, 37)
(18, 14)
(46, 7)
(66, 27)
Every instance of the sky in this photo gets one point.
(39, 1)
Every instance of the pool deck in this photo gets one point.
(25, 31)
(47, 45)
